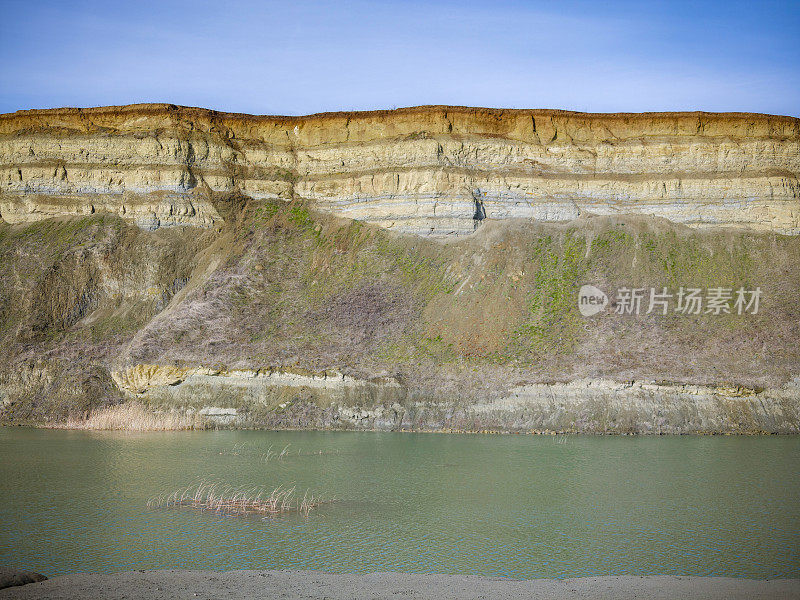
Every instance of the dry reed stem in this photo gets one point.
(242, 449)
(238, 500)
(133, 416)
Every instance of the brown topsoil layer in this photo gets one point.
(159, 107)
(363, 126)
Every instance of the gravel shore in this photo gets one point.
(191, 585)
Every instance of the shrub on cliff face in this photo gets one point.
(373, 312)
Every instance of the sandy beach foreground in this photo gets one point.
(311, 584)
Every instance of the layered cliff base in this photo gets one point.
(421, 170)
(287, 317)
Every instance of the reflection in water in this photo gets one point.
(515, 506)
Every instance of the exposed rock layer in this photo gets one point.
(418, 170)
(330, 400)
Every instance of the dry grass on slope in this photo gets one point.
(133, 416)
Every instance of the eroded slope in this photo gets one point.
(289, 317)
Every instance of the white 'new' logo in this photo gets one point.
(591, 300)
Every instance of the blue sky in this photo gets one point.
(304, 56)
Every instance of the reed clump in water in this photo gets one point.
(133, 416)
(276, 455)
(245, 449)
(243, 500)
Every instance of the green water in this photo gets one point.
(515, 506)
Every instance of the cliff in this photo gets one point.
(207, 263)
(418, 170)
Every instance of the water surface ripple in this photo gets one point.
(512, 506)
